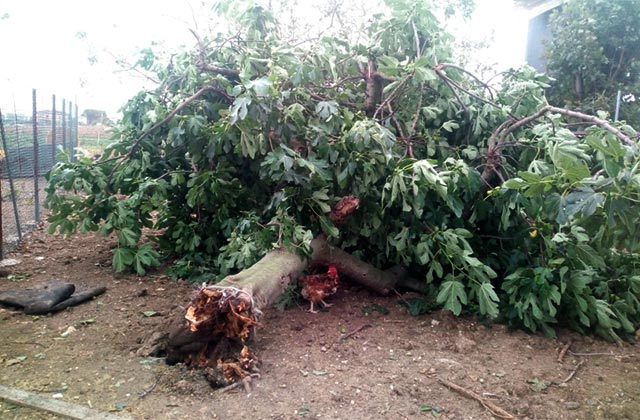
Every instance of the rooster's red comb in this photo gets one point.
(333, 271)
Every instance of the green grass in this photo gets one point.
(93, 145)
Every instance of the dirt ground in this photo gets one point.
(389, 369)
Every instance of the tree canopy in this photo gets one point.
(594, 51)
(481, 191)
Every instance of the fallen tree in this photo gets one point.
(221, 318)
(480, 193)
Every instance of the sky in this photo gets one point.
(47, 45)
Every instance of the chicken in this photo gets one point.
(316, 287)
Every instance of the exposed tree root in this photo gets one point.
(221, 320)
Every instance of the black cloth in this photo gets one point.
(52, 296)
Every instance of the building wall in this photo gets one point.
(538, 34)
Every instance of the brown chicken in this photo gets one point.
(316, 287)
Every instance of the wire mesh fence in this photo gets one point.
(31, 141)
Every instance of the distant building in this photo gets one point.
(538, 33)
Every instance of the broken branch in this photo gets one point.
(489, 405)
(351, 334)
(573, 372)
(595, 120)
(563, 351)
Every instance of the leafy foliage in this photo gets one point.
(594, 52)
(485, 194)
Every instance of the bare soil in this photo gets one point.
(389, 369)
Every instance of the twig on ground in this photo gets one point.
(489, 405)
(400, 297)
(245, 382)
(229, 387)
(29, 343)
(573, 372)
(148, 391)
(601, 354)
(496, 396)
(570, 376)
(563, 352)
(350, 334)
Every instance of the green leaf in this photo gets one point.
(606, 316)
(453, 295)
(326, 109)
(582, 201)
(260, 86)
(127, 237)
(537, 385)
(577, 172)
(590, 256)
(239, 109)
(122, 258)
(302, 411)
(120, 405)
(424, 74)
(488, 300)
(328, 227)
(450, 126)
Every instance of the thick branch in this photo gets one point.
(352, 267)
(267, 279)
(595, 120)
(498, 137)
(201, 64)
(229, 73)
(372, 87)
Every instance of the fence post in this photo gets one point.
(12, 188)
(53, 130)
(71, 151)
(36, 187)
(75, 131)
(64, 124)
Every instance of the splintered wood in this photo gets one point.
(237, 370)
(222, 310)
(226, 316)
(343, 209)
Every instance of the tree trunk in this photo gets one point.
(221, 317)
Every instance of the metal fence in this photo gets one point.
(31, 141)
